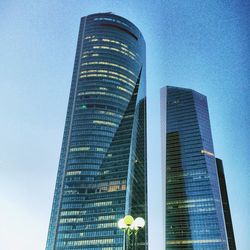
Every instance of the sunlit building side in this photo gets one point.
(193, 211)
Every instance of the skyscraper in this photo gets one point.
(102, 171)
(193, 213)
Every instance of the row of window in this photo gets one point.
(82, 149)
(89, 218)
(86, 242)
(88, 234)
(123, 51)
(108, 64)
(100, 93)
(106, 76)
(111, 20)
(177, 242)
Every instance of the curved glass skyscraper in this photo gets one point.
(102, 170)
(193, 214)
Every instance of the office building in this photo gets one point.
(102, 172)
(193, 211)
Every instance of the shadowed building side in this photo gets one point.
(226, 207)
(178, 229)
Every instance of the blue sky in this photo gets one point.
(198, 44)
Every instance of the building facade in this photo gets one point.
(226, 207)
(102, 172)
(193, 211)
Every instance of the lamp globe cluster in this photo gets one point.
(128, 222)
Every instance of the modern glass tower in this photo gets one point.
(102, 171)
(193, 213)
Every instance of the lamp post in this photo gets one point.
(131, 226)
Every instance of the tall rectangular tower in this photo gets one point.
(102, 172)
(193, 213)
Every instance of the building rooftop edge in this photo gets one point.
(181, 88)
(115, 15)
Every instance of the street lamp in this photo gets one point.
(131, 226)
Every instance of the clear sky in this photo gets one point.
(198, 44)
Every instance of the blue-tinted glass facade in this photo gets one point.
(102, 169)
(193, 213)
